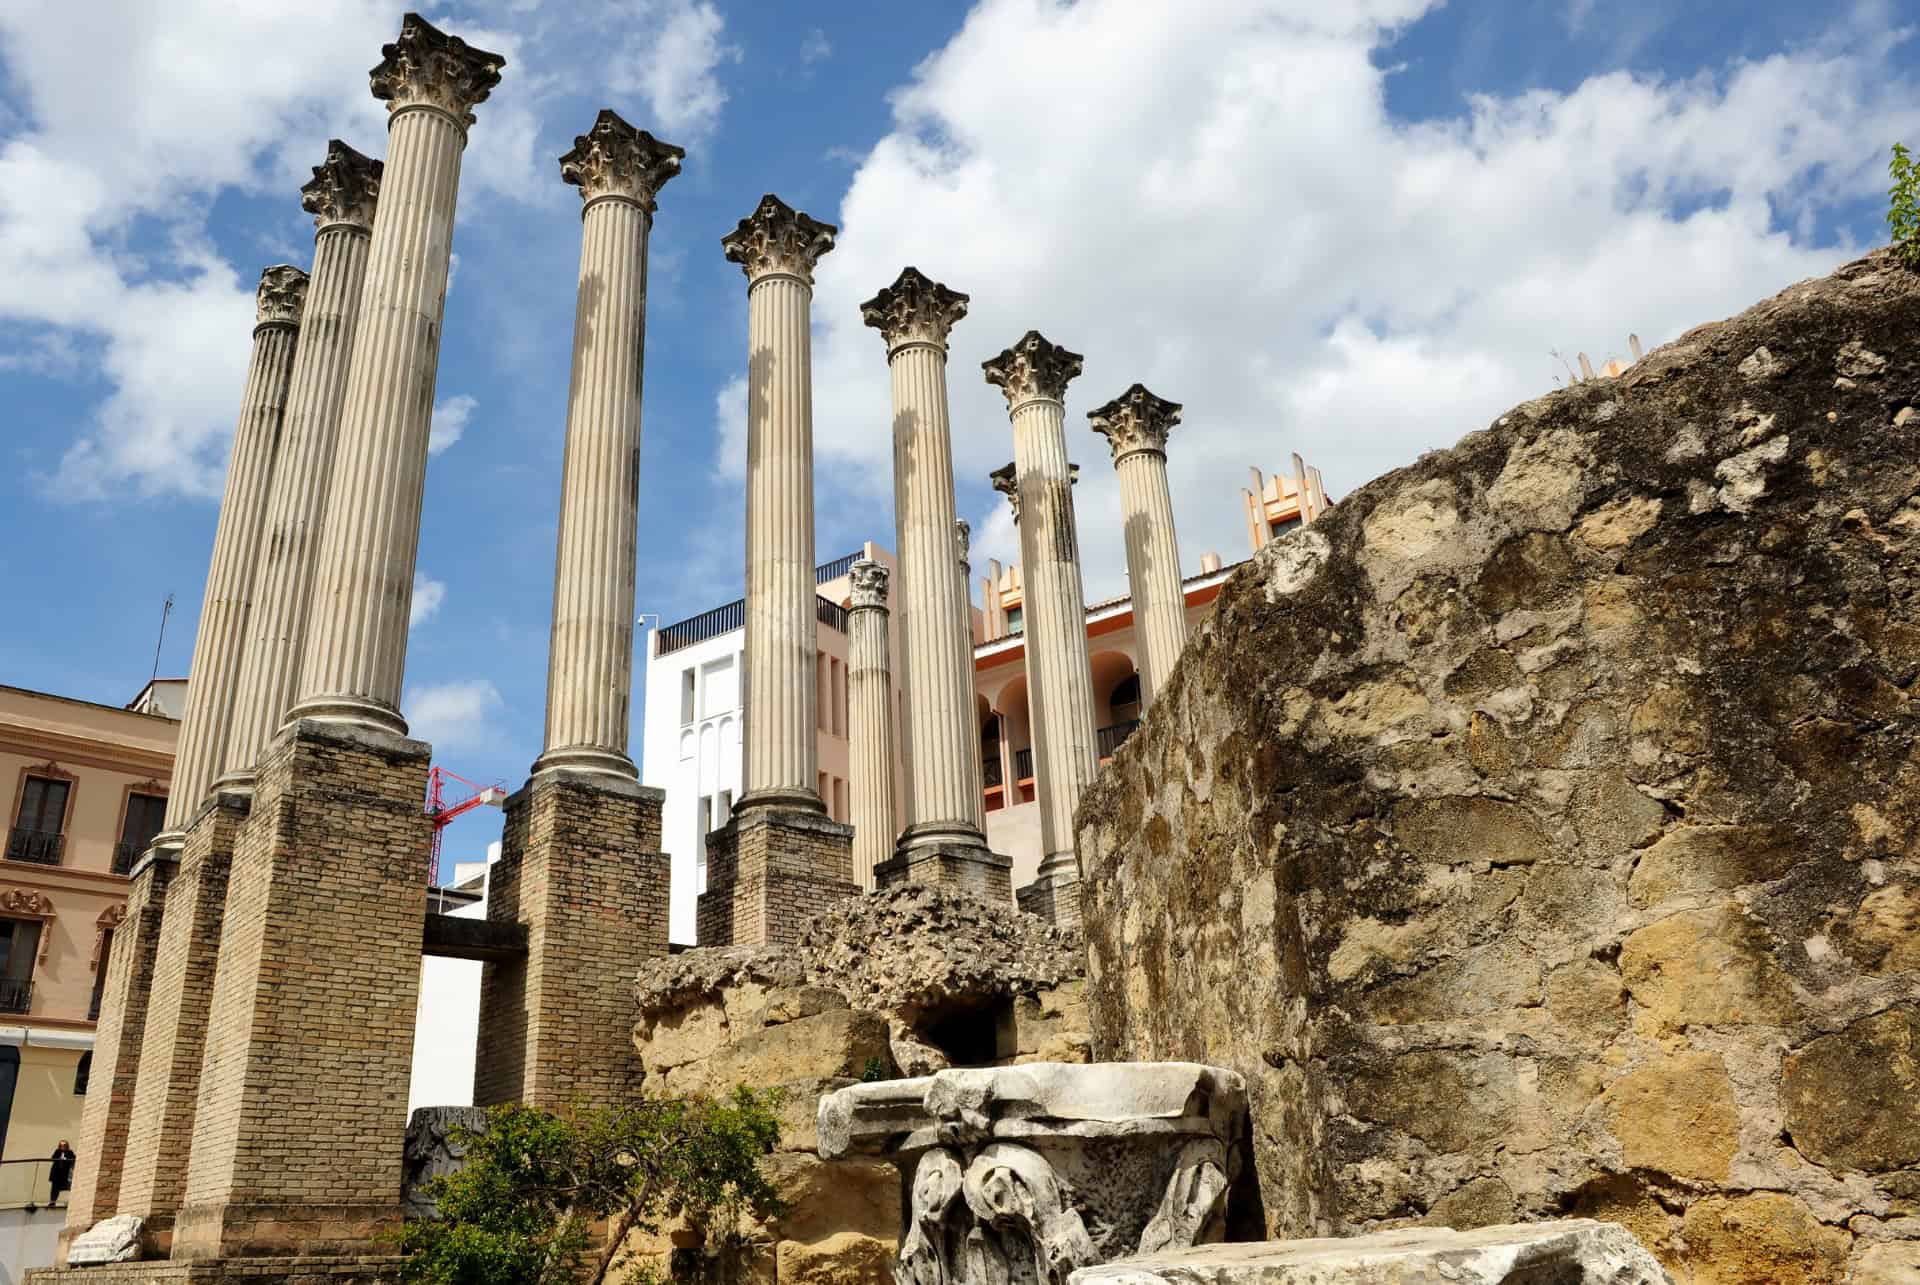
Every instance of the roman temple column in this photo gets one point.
(356, 649)
(619, 171)
(341, 197)
(1136, 424)
(224, 610)
(870, 719)
(778, 861)
(1034, 374)
(944, 841)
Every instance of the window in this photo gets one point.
(145, 815)
(43, 815)
(1126, 698)
(725, 813)
(83, 1073)
(686, 696)
(703, 822)
(1016, 621)
(1280, 526)
(19, 943)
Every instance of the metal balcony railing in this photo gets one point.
(990, 765)
(831, 614)
(1022, 764)
(36, 846)
(1110, 739)
(16, 994)
(124, 855)
(93, 1008)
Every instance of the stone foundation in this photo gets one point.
(580, 866)
(968, 868)
(370, 1269)
(160, 1137)
(769, 871)
(303, 1092)
(1054, 898)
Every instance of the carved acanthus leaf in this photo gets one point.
(426, 67)
(869, 581)
(281, 296)
(615, 159)
(776, 238)
(914, 310)
(1021, 1211)
(344, 190)
(1136, 420)
(1033, 367)
(963, 540)
(1004, 481)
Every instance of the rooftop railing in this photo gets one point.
(724, 620)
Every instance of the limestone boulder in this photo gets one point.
(838, 1044)
(1539, 830)
(111, 1240)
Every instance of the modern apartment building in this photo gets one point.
(82, 789)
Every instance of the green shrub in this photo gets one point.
(1903, 207)
(521, 1210)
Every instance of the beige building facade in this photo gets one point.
(83, 789)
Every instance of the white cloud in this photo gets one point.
(428, 594)
(730, 429)
(815, 47)
(449, 422)
(673, 53)
(456, 715)
(1239, 224)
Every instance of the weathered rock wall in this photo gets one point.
(1537, 831)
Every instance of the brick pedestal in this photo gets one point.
(580, 866)
(769, 871)
(980, 871)
(1052, 897)
(102, 1142)
(303, 1092)
(160, 1135)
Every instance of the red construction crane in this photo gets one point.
(440, 812)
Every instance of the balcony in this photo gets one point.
(1110, 739)
(36, 846)
(1023, 765)
(124, 856)
(990, 765)
(16, 995)
(830, 613)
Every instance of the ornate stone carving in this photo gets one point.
(615, 159)
(1033, 367)
(434, 1148)
(1136, 420)
(914, 310)
(1022, 1175)
(110, 918)
(776, 238)
(1004, 481)
(344, 190)
(426, 67)
(30, 904)
(963, 540)
(869, 581)
(280, 297)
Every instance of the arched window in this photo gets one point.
(82, 1073)
(1125, 699)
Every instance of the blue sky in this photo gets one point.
(1357, 234)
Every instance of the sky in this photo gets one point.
(1357, 231)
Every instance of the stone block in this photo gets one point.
(1571, 1252)
(834, 1044)
(1676, 1115)
(844, 1258)
(1767, 1237)
(1849, 1097)
(111, 1240)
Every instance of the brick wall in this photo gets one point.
(769, 871)
(1054, 899)
(160, 1135)
(580, 866)
(104, 1116)
(303, 1091)
(978, 871)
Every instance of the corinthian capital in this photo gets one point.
(281, 296)
(914, 310)
(869, 581)
(615, 159)
(963, 540)
(1007, 483)
(1033, 367)
(776, 238)
(1136, 420)
(344, 190)
(426, 67)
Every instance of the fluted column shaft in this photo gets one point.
(946, 790)
(778, 721)
(1061, 672)
(289, 547)
(1153, 566)
(870, 734)
(224, 610)
(590, 660)
(356, 649)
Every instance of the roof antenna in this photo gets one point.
(166, 609)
